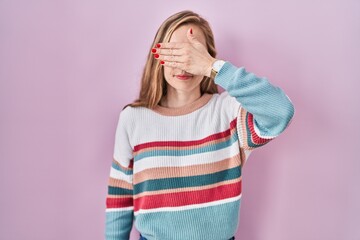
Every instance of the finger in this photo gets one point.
(171, 58)
(173, 64)
(174, 45)
(166, 51)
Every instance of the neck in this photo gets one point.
(176, 99)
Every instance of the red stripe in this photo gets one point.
(119, 202)
(188, 198)
(213, 137)
(233, 123)
(256, 139)
(131, 165)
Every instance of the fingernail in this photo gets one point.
(156, 55)
(153, 50)
(162, 62)
(158, 45)
(191, 30)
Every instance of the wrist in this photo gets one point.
(210, 67)
(215, 68)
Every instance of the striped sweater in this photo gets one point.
(176, 172)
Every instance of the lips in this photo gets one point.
(183, 76)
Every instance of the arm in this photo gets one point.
(119, 200)
(265, 110)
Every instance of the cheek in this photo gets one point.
(168, 72)
(198, 78)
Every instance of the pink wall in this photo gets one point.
(68, 67)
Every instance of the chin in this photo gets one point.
(184, 85)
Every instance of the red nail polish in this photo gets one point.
(191, 30)
(153, 50)
(156, 55)
(158, 45)
(162, 62)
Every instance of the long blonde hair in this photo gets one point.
(153, 84)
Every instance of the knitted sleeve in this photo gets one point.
(265, 110)
(119, 200)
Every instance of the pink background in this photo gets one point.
(68, 67)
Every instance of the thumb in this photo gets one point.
(191, 37)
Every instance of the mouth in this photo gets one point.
(183, 76)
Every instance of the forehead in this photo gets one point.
(179, 35)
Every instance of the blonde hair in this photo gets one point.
(153, 84)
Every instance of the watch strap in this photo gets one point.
(215, 68)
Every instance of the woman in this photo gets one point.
(180, 148)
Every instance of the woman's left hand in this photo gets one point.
(191, 56)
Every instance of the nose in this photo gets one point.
(184, 72)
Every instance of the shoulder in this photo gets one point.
(126, 116)
(129, 115)
(129, 112)
(226, 104)
(126, 112)
(225, 99)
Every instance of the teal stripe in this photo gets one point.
(117, 167)
(190, 181)
(119, 191)
(185, 152)
(212, 222)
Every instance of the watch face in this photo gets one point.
(217, 65)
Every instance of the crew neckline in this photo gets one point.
(187, 108)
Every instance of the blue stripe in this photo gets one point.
(118, 225)
(117, 167)
(212, 222)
